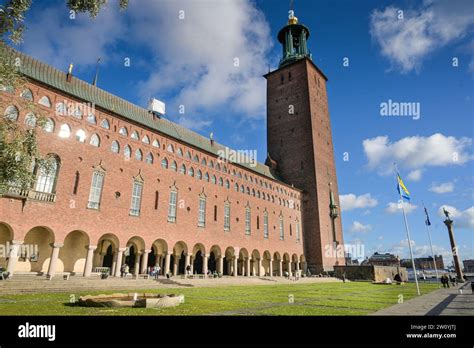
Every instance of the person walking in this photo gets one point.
(188, 270)
(157, 271)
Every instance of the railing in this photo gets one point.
(135, 212)
(16, 192)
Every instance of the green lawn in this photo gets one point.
(354, 298)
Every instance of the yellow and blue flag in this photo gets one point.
(402, 189)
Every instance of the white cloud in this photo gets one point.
(351, 201)
(415, 175)
(212, 58)
(435, 24)
(416, 152)
(445, 187)
(360, 227)
(401, 249)
(462, 218)
(395, 207)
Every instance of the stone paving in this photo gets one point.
(36, 284)
(439, 302)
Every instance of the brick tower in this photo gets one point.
(300, 147)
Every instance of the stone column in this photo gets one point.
(158, 260)
(191, 263)
(270, 267)
(280, 268)
(220, 265)
(13, 255)
(204, 264)
(259, 267)
(187, 261)
(297, 266)
(118, 261)
(136, 268)
(54, 259)
(89, 258)
(457, 265)
(167, 263)
(175, 265)
(236, 260)
(144, 264)
(248, 266)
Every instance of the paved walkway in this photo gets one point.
(35, 284)
(439, 302)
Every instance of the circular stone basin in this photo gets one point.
(132, 300)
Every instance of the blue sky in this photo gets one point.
(185, 53)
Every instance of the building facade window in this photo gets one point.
(81, 136)
(172, 206)
(30, 120)
(164, 163)
(127, 152)
(135, 204)
(227, 216)
(95, 140)
(105, 124)
(297, 231)
(45, 101)
(64, 131)
(115, 147)
(202, 211)
(174, 166)
(265, 225)
(282, 232)
(47, 175)
(247, 220)
(96, 190)
(149, 158)
(48, 126)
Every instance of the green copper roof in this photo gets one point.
(50, 76)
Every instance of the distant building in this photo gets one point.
(386, 259)
(468, 266)
(424, 262)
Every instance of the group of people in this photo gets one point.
(445, 279)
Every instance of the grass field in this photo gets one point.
(354, 298)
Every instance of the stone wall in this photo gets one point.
(369, 272)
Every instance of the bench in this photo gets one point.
(5, 275)
(65, 275)
(144, 276)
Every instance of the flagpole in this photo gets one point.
(431, 244)
(408, 235)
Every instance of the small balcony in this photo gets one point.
(16, 192)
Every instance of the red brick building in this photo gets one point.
(132, 187)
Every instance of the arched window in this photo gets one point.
(191, 171)
(149, 158)
(253, 192)
(156, 143)
(170, 148)
(227, 184)
(105, 124)
(138, 155)
(221, 182)
(30, 120)
(218, 167)
(45, 101)
(204, 162)
(123, 131)
(11, 113)
(226, 216)
(242, 188)
(206, 177)
(213, 179)
(182, 169)
(164, 163)
(95, 140)
(236, 187)
(245, 177)
(211, 164)
(115, 147)
(202, 210)
(248, 190)
(61, 109)
(135, 135)
(282, 232)
(27, 94)
(196, 158)
(127, 152)
(64, 131)
(258, 194)
(172, 205)
(179, 152)
(199, 174)
(47, 175)
(48, 126)
(188, 154)
(77, 112)
(91, 118)
(239, 175)
(174, 166)
(81, 136)
(145, 139)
